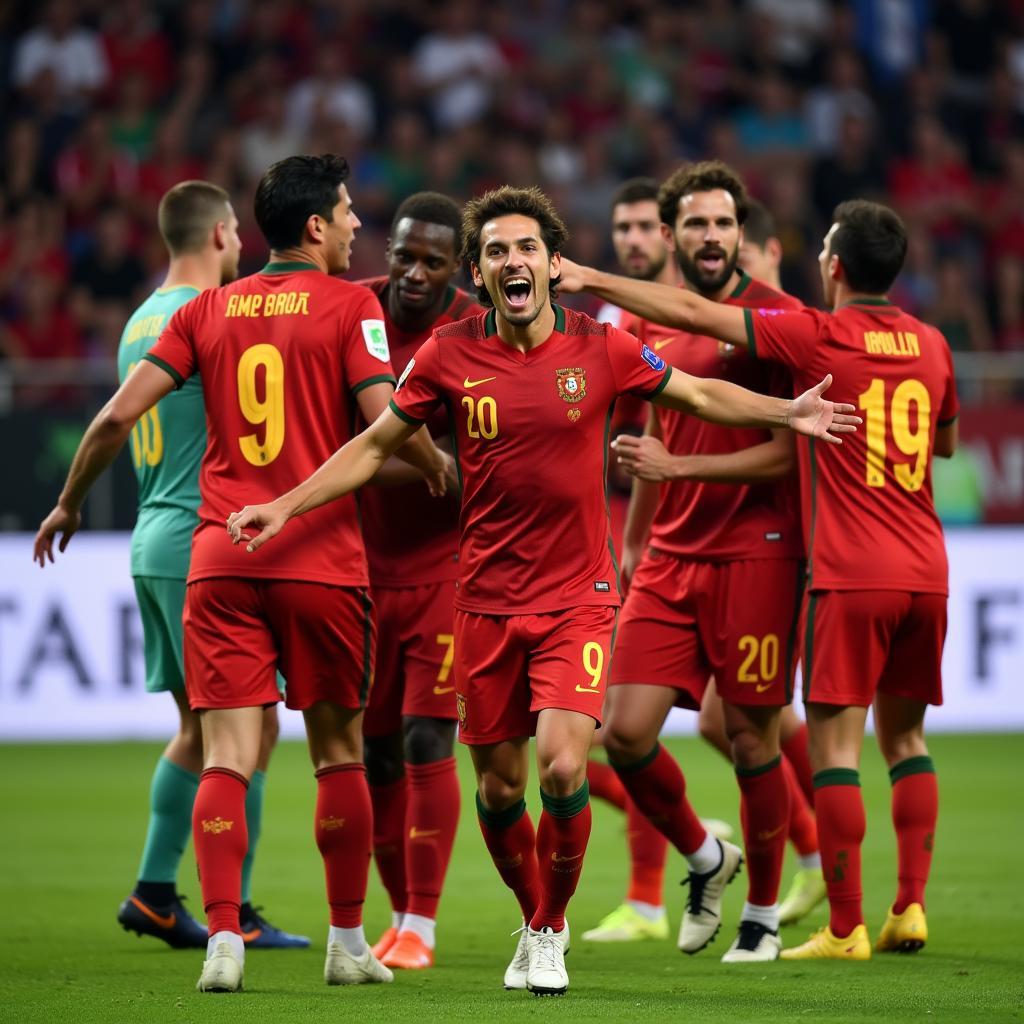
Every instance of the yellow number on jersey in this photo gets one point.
(268, 412)
(482, 419)
(765, 651)
(910, 441)
(147, 437)
(593, 664)
(447, 641)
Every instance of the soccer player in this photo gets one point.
(167, 446)
(761, 250)
(530, 387)
(874, 621)
(412, 545)
(287, 357)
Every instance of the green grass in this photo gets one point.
(71, 822)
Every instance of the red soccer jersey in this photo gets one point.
(712, 521)
(412, 538)
(868, 513)
(282, 355)
(531, 434)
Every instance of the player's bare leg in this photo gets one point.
(899, 724)
(836, 735)
(634, 716)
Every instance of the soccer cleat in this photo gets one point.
(754, 943)
(222, 972)
(703, 916)
(385, 942)
(625, 924)
(545, 951)
(259, 933)
(172, 923)
(903, 933)
(823, 945)
(718, 828)
(409, 953)
(519, 966)
(806, 892)
(342, 968)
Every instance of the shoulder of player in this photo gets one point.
(759, 295)
(377, 285)
(472, 327)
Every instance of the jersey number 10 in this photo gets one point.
(910, 441)
(267, 412)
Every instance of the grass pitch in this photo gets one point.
(71, 830)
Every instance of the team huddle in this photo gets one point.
(407, 559)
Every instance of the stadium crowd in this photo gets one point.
(916, 104)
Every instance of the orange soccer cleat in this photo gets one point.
(409, 953)
(384, 943)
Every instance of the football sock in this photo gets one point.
(811, 860)
(768, 916)
(220, 840)
(840, 810)
(343, 829)
(389, 810)
(422, 926)
(795, 751)
(651, 911)
(431, 819)
(803, 829)
(658, 787)
(915, 809)
(605, 785)
(171, 795)
(254, 823)
(647, 851)
(561, 843)
(765, 798)
(512, 844)
(353, 939)
(396, 919)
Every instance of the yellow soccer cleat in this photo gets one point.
(903, 933)
(806, 892)
(823, 945)
(625, 924)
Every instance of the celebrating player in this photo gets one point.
(530, 387)
(286, 358)
(874, 622)
(412, 545)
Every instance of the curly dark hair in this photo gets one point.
(701, 177)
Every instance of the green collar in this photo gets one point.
(288, 267)
(868, 301)
(741, 285)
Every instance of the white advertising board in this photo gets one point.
(71, 642)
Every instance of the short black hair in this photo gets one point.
(292, 190)
(636, 190)
(759, 225)
(188, 212)
(871, 243)
(431, 208)
(701, 177)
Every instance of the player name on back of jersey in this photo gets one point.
(891, 343)
(258, 304)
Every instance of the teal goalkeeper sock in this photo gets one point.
(254, 822)
(171, 796)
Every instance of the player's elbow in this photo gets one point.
(115, 420)
(946, 440)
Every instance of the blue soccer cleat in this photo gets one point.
(259, 933)
(172, 922)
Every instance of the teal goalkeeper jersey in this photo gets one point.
(167, 445)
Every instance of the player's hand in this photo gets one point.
(631, 556)
(442, 475)
(570, 277)
(268, 519)
(817, 417)
(644, 457)
(60, 520)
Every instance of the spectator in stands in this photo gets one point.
(333, 93)
(828, 105)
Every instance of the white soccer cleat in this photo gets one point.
(519, 966)
(342, 968)
(546, 952)
(754, 943)
(222, 972)
(718, 828)
(703, 916)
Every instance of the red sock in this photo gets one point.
(512, 844)
(765, 799)
(561, 843)
(344, 829)
(659, 789)
(794, 750)
(221, 839)
(431, 819)
(389, 811)
(840, 812)
(803, 829)
(647, 850)
(605, 784)
(915, 809)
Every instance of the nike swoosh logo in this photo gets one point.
(659, 345)
(253, 935)
(763, 836)
(467, 383)
(162, 920)
(587, 689)
(440, 691)
(559, 859)
(423, 833)
(760, 688)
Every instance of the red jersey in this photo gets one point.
(713, 521)
(868, 513)
(412, 538)
(531, 436)
(282, 355)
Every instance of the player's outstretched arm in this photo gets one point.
(347, 469)
(100, 443)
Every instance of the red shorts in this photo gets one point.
(238, 632)
(508, 668)
(415, 649)
(684, 621)
(856, 642)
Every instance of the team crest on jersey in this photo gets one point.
(572, 384)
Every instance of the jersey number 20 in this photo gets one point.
(268, 411)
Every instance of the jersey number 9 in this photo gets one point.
(267, 412)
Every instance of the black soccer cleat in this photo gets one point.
(259, 933)
(172, 922)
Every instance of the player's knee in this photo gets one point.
(498, 793)
(624, 744)
(710, 728)
(271, 730)
(750, 749)
(562, 774)
(901, 746)
(427, 740)
(383, 758)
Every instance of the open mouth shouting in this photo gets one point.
(711, 261)
(517, 289)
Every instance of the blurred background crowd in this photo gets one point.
(919, 103)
